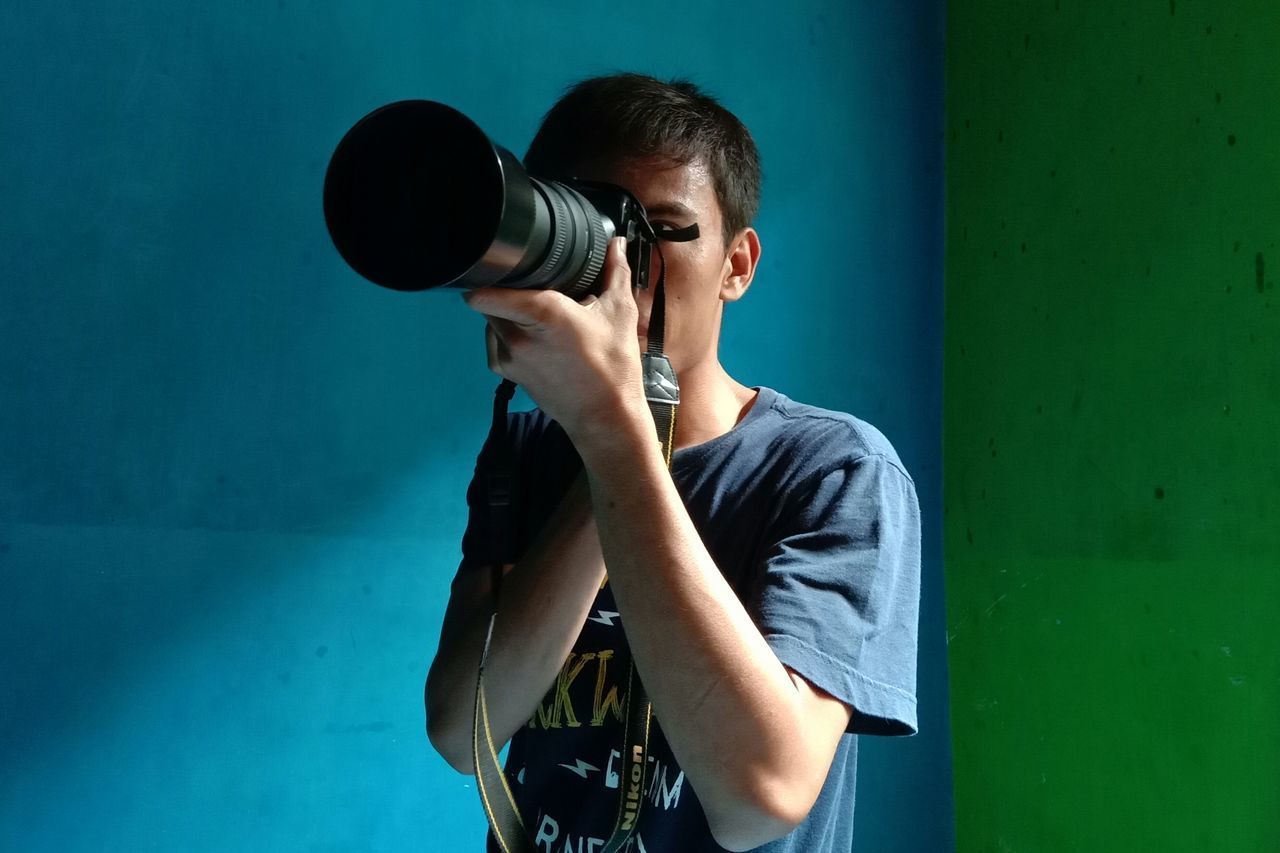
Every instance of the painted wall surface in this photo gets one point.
(1112, 406)
(232, 473)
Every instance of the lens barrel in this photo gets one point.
(417, 197)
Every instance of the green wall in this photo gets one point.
(1112, 401)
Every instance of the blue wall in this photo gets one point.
(231, 472)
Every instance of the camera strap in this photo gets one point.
(662, 392)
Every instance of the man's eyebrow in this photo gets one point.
(670, 208)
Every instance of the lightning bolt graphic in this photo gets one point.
(605, 617)
(581, 768)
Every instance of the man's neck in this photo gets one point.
(711, 403)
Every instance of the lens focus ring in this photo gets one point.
(597, 248)
(559, 233)
(576, 239)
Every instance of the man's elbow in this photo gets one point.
(447, 737)
(766, 815)
(749, 830)
(449, 748)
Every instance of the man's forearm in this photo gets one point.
(728, 706)
(545, 599)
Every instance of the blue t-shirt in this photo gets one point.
(813, 520)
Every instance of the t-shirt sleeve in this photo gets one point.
(838, 599)
(543, 466)
(478, 547)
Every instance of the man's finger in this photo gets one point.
(505, 330)
(491, 340)
(617, 273)
(495, 347)
(522, 307)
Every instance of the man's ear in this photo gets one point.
(740, 265)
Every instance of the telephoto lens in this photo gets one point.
(416, 197)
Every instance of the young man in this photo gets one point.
(766, 587)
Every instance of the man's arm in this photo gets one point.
(755, 747)
(545, 599)
(755, 740)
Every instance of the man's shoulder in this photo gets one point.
(829, 433)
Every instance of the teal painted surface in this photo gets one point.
(231, 473)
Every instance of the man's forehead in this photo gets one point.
(662, 185)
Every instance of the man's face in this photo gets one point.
(697, 271)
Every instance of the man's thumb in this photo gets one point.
(617, 271)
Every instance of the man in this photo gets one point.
(766, 588)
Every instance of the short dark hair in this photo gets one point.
(626, 116)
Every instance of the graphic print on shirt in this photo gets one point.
(549, 838)
(580, 767)
(558, 708)
(567, 765)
